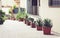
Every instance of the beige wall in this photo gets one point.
(52, 13)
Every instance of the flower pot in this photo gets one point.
(1, 22)
(39, 28)
(28, 23)
(15, 11)
(33, 25)
(47, 30)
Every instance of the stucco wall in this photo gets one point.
(49, 12)
(52, 13)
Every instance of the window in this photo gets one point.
(55, 3)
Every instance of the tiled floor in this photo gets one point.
(15, 29)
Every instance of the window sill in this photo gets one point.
(54, 6)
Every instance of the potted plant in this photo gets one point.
(39, 24)
(15, 9)
(21, 16)
(33, 24)
(47, 26)
(28, 21)
(2, 14)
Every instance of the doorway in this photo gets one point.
(32, 7)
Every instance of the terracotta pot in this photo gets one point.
(28, 23)
(33, 25)
(47, 30)
(39, 28)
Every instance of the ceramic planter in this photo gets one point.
(39, 28)
(15, 10)
(47, 30)
(33, 25)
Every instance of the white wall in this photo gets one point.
(23, 4)
(0, 4)
(8, 2)
(51, 13)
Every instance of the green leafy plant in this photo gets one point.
(14, 6)
(21, 14)
(39, 22)
(26, 16)
(2, 14)
(9, 12)
(31, 19)
(34, 22)
(47, 23)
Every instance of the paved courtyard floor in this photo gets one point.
(15, 29)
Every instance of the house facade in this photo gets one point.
(46, 11)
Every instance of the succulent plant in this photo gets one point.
(39, 22)
(47, 23)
